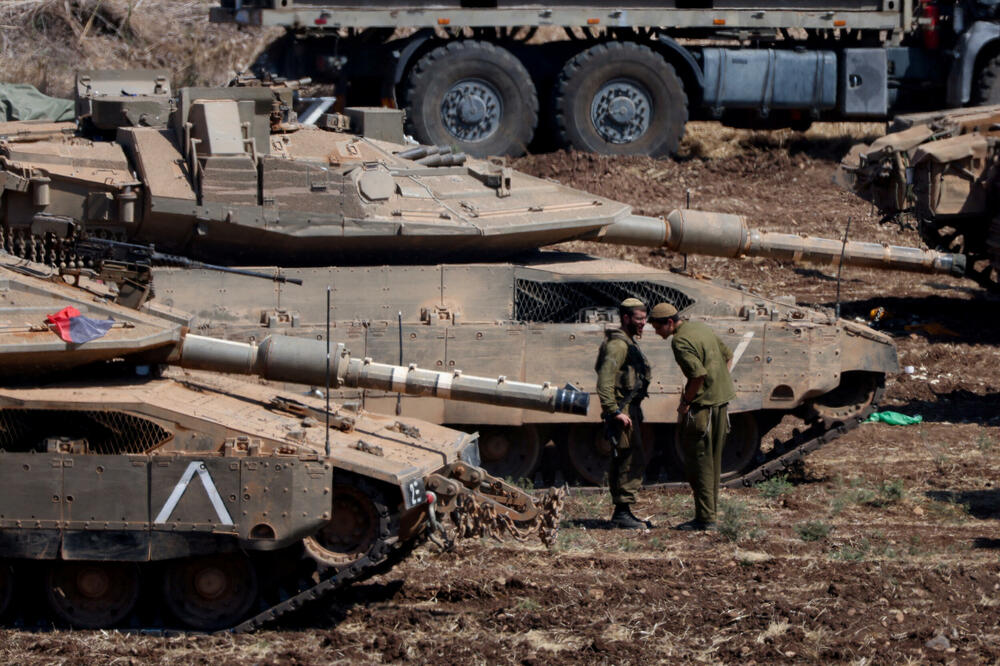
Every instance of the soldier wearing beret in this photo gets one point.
(703, 418)
(623, 375)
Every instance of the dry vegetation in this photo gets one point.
(44, 41)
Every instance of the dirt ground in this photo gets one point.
(885, 550)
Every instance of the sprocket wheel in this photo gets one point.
(360, 525)
(857, 392)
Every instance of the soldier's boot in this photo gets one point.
(623, 518)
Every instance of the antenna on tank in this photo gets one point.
(840, 266)
(399, 326)
(327, 370)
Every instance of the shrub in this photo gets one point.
(813, 530)
(775, 487)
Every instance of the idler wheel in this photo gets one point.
(510, 453)
(358, 527)
(857, 390)
(92, 595)
(212, 592)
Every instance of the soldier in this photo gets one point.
(622, 381)
(702, 413)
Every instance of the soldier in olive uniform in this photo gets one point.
(622, 380)
(702, 413)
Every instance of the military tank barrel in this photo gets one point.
(726, 235)
(303, 361)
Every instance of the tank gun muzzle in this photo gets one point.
(725, 235)
(303, 361)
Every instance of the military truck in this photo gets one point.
(428, 255)
(941, 168)
(130, 471)
(491, 77)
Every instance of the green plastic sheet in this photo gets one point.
(894, 418)
(20, 101)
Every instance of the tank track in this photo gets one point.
(793, 451)
(385, 552)
(363, 568)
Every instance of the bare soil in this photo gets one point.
(886, 549)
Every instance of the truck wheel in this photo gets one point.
(986, 89)
(474, 96)
(620, 99)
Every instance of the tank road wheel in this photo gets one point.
(510, 452)
(92, 595)
(472, 95)
(360, 526)
(211, 592)
(589, 453)
(620, 99)
(742, 448)
(6, 587)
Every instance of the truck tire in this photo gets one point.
(473, 96)
(620, 98)
(986, 89)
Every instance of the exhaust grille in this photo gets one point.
(106, 432)
(563, 302)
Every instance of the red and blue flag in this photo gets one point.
(73, 327)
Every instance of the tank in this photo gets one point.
(428, 255)
(148, 485)
(939, 168)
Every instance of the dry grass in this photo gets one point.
(43, 42)
(711, 140)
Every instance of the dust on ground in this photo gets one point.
(885, 549)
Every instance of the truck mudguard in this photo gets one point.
(963, 66)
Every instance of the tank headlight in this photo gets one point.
(470, 452)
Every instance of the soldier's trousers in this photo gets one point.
(703, 436)
(628, 462)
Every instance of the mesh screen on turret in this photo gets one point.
(562, 302)
(106, 432)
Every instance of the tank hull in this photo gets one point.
(542, 318)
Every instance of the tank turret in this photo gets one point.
(229, 176)
(941, 169)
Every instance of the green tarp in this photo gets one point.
(894, 418)
(20, 101)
